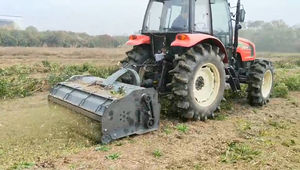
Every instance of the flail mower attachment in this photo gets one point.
(122, 109)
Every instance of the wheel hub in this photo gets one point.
(199, 83)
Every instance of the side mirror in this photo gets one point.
(242, 15)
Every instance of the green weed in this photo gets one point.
(244, 125)
(17, 80)
(167, 130)
(131, 140)
(293, 101)
(121, 91)
(18, 86)
(263, 132)
(113, 156)
(277, 125)
(289, 143)
(197, 167)
(157, 153)
(297, 62)
(227, 105)
(221, 117)
(46, 64)
(73, 166)
(293, 82)
(182, 128)
(280, 90)
(23, 165)
(238, 151)
(102, 148)
(119, 144)
(284, 65)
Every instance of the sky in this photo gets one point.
(121, 17)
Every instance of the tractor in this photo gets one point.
(189, 51)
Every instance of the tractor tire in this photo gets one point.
(135, 57)
(261, 82)
(198, 82)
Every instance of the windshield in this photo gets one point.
(167, 16)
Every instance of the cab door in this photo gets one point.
(221, 21)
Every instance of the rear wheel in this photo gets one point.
(198, 82)
(135, 57)
(261, 82)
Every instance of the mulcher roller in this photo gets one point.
(122, 109)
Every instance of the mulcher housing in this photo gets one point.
(122, 109)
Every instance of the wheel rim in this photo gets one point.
(267, 84)
(206, 85)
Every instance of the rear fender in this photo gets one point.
(138, 40)
(190, 40)
(246, 49)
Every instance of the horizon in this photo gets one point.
(96, 17)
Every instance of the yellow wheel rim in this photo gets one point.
(267, 84)
(206, 85)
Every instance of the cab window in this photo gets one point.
(221, 21)
(202, 19)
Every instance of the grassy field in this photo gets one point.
(35, 134)
(29, 56)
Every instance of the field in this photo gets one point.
(35, 134)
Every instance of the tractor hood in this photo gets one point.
(246, 49)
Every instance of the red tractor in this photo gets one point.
(190, 48)
(188, 51)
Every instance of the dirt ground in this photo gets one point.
(273, 131)
(242, 137)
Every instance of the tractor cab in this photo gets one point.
(170, 17)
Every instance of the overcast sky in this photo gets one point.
(119, 17)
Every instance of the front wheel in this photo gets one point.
(261, 82)
(198, 82)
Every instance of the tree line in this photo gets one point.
(275, 36)
(31, 37)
